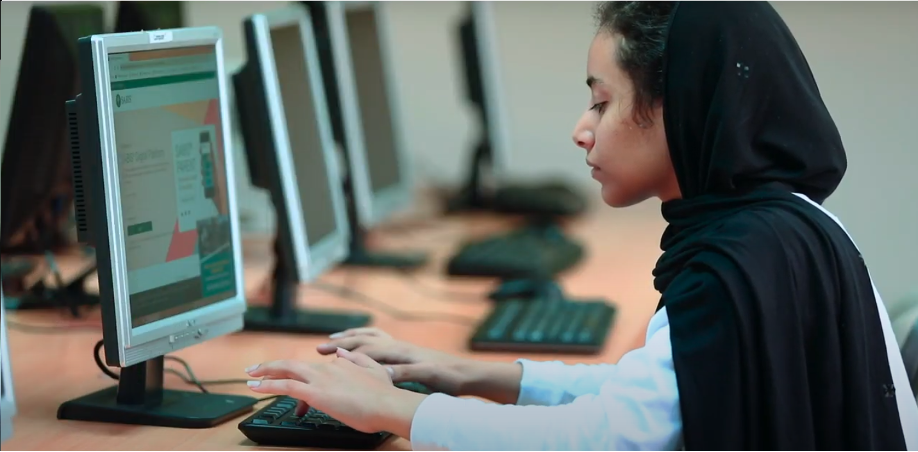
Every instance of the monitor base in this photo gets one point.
(302, 321)
(403, 261)
(178, 409)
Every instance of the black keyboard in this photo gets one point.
(277, 425)
(532, 252)
(533, 326)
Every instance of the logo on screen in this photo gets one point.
(118, 100)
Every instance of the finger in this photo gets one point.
(384, 354)
(364, 331)
(401, 373)
(301, 408)
(359, 359)
(283, 369)
(291, 388)
(348, 343)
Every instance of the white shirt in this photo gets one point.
(631, 405)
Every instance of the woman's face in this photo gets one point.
(628, 158)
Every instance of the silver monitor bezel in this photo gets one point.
(155, 339)
(311, 261)
(495, 104)
(8, 401)
(372, 207)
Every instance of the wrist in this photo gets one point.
(495, 381)
(398, 409)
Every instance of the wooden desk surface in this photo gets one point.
(622, 247)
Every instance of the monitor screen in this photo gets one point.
(174, 200)
(375, 106)
(309, 163)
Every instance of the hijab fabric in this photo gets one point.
(777, 341)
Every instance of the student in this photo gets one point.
(769, 333)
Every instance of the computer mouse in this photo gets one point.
(527, 289)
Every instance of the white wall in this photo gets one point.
(861, 52)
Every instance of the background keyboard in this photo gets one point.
(278, 425)
(534, 326)
(541, 251)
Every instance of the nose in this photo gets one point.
(584, 138)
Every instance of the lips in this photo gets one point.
(592, 166)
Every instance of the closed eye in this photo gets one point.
(598, 107)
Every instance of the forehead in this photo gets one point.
(602, 63)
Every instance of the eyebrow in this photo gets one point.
(592, 80)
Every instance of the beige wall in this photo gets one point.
(861, 52)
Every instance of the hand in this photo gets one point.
(353, 389)
(439, 371)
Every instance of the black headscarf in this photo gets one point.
(776, 336)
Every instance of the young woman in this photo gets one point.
(769, 333)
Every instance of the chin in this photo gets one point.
(617, 198)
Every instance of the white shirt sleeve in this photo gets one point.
(633, 405)
(555, 383)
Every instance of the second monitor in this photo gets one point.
(354, 45)
(291, 152)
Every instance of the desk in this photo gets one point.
(622, 248)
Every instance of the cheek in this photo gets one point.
(613, 143)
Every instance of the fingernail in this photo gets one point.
(341, 350)
(251, 368)
(254, 384)
(336, 335)
(391, 371)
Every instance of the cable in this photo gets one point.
(190, 378)
(444, 295)
(96, 356)
(358, 297)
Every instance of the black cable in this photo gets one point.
(190, 378)
(194, 379)
(358, 297)
(440, 294)
(96, 356)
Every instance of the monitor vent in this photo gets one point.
(76, 160)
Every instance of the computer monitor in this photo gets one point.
(291, 152)
(362, 104)
(147, 16)
(7, 397)
(489, 185)
(36, 188)
(155, 195)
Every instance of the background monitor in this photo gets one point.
(36, 188)
(480, 57)
(366, 205)
(147, 16)
(291, 150)
(7, 398)
(155, 195)
(383, 158)
(489, 185)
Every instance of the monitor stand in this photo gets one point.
(139, 399)
(284, 317)
(360, 256)
(483, 193)
(474, 196)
